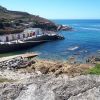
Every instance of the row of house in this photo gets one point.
(30, 32)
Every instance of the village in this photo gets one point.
(30, 37)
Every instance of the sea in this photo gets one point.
(81, 42)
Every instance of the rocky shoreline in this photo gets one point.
(48, 80)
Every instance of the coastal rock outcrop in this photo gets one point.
(49, 87)
(15, 63)
(49, 80)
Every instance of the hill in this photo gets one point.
(16, 15)
(14, 21)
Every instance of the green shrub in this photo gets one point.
(95, 70)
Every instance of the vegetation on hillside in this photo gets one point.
(95, 70)
(15, 20)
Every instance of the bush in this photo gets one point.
(95, 70)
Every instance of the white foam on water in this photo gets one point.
(73, 48)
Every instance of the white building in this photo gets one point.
(30, 32)
(35, 31)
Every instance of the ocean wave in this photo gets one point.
(73, 48)
(98, 51)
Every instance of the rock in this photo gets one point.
(58, 72)
(10, 91)
(42, 85)
(91, 94)
(16, 63)
(62, 88)
(44, 70)
(49, 87)
(93, 60)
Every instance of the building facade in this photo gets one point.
(30, 32)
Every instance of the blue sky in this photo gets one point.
(57, 9)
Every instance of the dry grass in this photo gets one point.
(57, 68)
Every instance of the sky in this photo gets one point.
(56, 9)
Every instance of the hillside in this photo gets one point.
(15, 15)
(13, 21)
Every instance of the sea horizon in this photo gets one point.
(71, 19)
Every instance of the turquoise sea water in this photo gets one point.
(81, 42)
